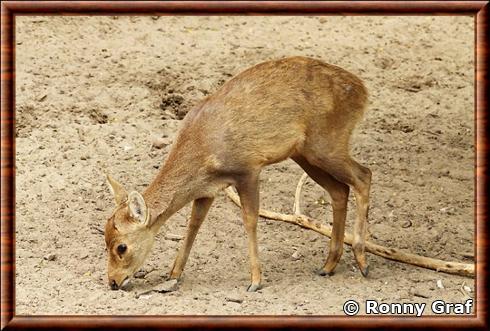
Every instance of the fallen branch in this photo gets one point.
(464, 269)
(297, 194)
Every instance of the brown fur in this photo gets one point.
(297, 108)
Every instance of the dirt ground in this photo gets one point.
(93, 92)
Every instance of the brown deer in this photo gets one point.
(298, 108)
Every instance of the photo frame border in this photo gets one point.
(11, 9)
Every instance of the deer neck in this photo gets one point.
(173, 187)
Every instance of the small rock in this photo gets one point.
(168, 286)
(296, 256)
(181, 112)
(439, 283)
(159, 142)
(233, 298)
(419, 293)
(165, 287)
(467, 288)
(445, 173)
(140, 274)
(50, 257)
(144, 296)
(406, 224)
(173, 237)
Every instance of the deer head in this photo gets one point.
(128, 235)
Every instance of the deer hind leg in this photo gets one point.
(200, 209)
(339, 193)
(248, 191)
(363, 185)
(346, 170)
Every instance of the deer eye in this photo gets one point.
(122, 248)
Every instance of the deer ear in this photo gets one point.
(120, 194)
(137, 207)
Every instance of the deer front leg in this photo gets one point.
(248, 191)
(200, 209)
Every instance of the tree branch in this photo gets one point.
(458, 268)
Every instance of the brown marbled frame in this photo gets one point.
(10, 9)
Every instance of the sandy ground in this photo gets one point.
(92, 93)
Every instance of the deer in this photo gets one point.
(297, 107)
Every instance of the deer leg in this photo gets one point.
(361, 192)
(248, 191)
(339, 193)
(358, 177)
(200, 209)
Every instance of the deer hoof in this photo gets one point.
(365, 271)
(322, 272)
(254, 287)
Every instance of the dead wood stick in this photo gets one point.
(297, 194)
(464, 269)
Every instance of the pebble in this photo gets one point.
(159, 142)
(419, 293)
(173, 237)
(296, 256)
(167, 286)
(439, 283)
(50, 257)
(233, 298)
(407, 224)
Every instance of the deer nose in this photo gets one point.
(114, 285)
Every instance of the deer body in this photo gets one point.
(297, 108)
